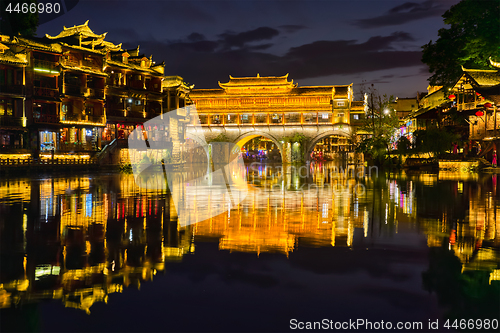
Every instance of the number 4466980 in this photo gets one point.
(33, 8)
(472, 324)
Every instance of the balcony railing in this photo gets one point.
(72, 63)
(466, 106)
(137, 85)
(82, 119)
(74, 90)
(90, 64)
(46, 65)
(271, 119)
(12, 89)
(45, 92)
(95, 93)
(11, 121)
(46, 118)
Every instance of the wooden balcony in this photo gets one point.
(82, 119)
(11, 121)
(74, 90)
(466, 106)
(46, 118)
(45, 66)
(12, 89)
(45, 92)
(95, 93)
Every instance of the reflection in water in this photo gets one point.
(82, 238)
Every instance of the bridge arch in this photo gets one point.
(243, 138)
(312, 142)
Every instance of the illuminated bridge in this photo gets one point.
(276, 109)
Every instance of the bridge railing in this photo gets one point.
(268, 119)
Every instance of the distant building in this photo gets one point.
(404, 106)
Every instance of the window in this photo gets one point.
(340, 115)
(356, 116)
(324, 115)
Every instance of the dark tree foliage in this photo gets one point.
(381, 122)
(434, 140)
(13, 23)
(472, 38)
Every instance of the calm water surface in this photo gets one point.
(93, 252)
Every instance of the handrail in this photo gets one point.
(55, 161)
(106, 150)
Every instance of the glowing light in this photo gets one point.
(45, 70)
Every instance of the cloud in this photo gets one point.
(408, 11)
(195, 37)
(205, 62)
(231, 39)
(291, 28)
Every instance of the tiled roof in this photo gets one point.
(82, 30)
(483, 77)
(38, 44)
(314, 90)
(133, 66)
(84, 70)
(9, 57)
(257, 81)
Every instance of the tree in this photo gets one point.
(434, 140)
(14, 23)
(472, 38)
(381, 121)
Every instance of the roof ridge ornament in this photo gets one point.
(494, 63)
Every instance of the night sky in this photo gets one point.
(316, 42)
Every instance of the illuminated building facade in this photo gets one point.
(13, 132)
(477, 96)
(275, 107)
(75, 92)
(134, 92)
(266, 101)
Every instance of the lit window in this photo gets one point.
(340, 114)
(324, 116)
(356, 116)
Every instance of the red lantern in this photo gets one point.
(479, 113)
(451, 97)
(478, 94)
(487, 105)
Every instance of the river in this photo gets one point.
(95, 252)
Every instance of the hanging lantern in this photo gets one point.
(451, 97)
(479, 113)
(487, 105)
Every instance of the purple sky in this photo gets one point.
(316, 42)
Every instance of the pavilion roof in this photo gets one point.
(82, 30)
(257, 81)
